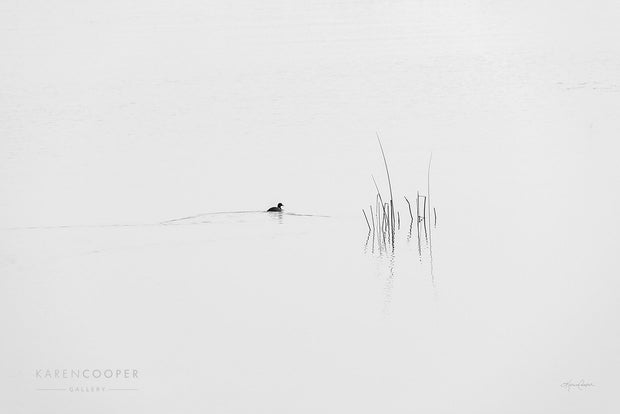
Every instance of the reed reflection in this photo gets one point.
(383, 225)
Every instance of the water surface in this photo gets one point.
(126, 126)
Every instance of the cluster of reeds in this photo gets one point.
(385, 220)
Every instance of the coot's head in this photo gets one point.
(280, 205)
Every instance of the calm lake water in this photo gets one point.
(117, 118)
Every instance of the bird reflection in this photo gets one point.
(277, 216)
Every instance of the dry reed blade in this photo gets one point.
(369, 229)
(428, 192)
(430, 239)
(389, 183)
(410, 213)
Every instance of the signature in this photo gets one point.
(581, 385)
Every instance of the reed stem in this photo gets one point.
(373, 219)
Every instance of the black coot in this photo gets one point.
(279, 208)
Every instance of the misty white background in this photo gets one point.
(136, 112)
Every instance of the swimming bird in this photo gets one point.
(279, 208)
